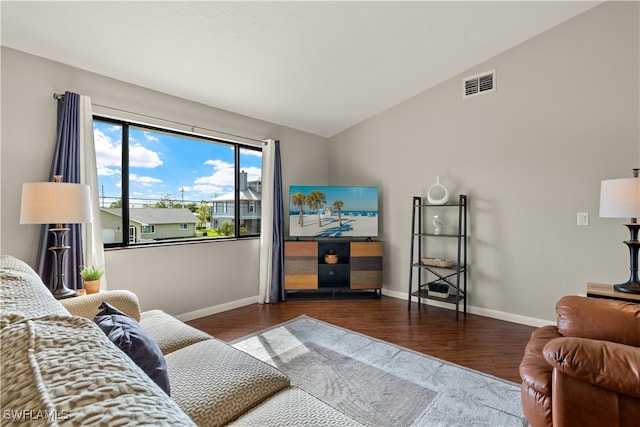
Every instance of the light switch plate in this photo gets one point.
(583, 218)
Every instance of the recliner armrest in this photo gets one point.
(88, 305)
(609, 365)
(600, 319)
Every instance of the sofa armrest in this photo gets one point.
(88, 305)
(609, 365)
(599, 319)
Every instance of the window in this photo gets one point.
(168, 186)
(148, 229)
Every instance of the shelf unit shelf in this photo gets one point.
(455, 277)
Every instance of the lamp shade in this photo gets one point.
(55, 203)
(620, 198)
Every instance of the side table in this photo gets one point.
(603, 290)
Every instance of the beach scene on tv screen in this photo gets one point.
(333, 211)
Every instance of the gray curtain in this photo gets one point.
(276, 290)
(66, 162)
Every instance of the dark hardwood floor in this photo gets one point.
(481, 343)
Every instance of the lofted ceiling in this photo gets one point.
(317, 66)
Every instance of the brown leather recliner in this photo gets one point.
(586, 370)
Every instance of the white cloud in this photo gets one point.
(253, 173)
(209, 191)
(147, 181)
(142, 157)
(244, 151)
(223, 174)
(151, 137)
(103, 171)
(221, 181)
(109, 155)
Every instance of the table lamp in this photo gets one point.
(56, 203)
(620, 198)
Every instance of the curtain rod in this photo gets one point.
(60, 96)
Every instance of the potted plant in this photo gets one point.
(91, 276)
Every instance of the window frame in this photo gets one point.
(148, 229)
(237, 146)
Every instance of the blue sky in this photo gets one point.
(165, 164)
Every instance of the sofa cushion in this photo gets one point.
(168, 332)
(129, 337)
(215, 383)
(22, 293)
(66, 367)
(294, 407)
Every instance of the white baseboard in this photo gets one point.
(480, 311)
(216, 309)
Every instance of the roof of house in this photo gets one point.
(156, 215)
(248, 194)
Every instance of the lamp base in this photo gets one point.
(632, 286)
(629, 287)
(64, 292)
(60, 291)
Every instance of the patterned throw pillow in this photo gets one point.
(129, 337)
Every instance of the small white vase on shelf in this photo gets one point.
(432, 196)
(438, 224)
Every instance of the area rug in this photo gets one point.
(381, 384)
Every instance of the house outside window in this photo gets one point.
(164, 186)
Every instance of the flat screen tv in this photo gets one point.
(333, 211)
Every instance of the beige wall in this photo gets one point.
(530, 156)
(178, 279)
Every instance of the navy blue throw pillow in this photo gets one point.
(129, 337)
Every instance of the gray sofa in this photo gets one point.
(60, 368)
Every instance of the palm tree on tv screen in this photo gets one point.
(298, 199)
(315, 200)
(338, 205)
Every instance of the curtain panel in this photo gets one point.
(277, 250)
(271, 281)
(74, 159)
(93, 247)
(65, 162)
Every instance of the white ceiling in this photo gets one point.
(316, 66)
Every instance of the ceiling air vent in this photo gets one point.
(479, 84)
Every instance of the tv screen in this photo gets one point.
(333, 211)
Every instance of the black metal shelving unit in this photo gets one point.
(454, 276)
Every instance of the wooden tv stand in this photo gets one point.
(359, 268)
